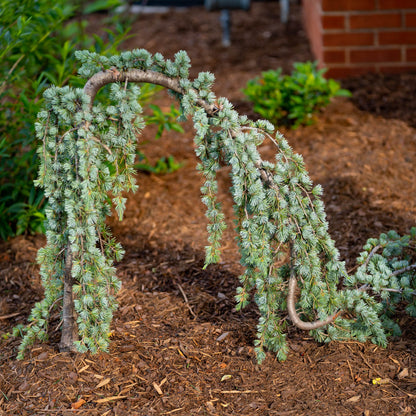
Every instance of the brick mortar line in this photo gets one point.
(365, 64)
(368, 30)
(355, 11)
(367, 12)
(365, 47)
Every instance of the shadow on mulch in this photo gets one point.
(354, 217)
(386, 95)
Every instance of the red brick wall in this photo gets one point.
(351, 37)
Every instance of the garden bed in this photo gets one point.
(178, 345)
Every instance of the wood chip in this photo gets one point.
(403, 374)
(223, 336)
(127, 348)
(78, 404)
(354, 399)
(110, 399)
(11, 315)
(83, 369)
(173, 411)
(239, 391)
(42, 356)
(157, 388)
(380, 381)
(210, 406)
(103, 383)
(24, 386)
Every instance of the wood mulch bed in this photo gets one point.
(178, 345)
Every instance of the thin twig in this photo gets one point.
(11, 315)
(404, 270)
(385, 289)
(102, 144)
(372, 252)
(4, 83)
(186, 300)
(351, 372)
(55, 302)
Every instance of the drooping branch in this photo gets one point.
(291, 306)
(293, 315)
(372, 252)
(100, 79)
(111, 75)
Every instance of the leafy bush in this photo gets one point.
(166, 164)
(37, 38)
(25, 40)
(292, 100)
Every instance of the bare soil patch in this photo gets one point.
(179, 347)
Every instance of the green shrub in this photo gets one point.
(292, 100)
(37, 38)
(27, 44)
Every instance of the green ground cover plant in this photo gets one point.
(292, 100)
(292, 267)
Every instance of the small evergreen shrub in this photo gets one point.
(292, 100)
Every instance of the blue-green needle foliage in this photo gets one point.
(87, 157)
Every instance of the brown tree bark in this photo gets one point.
(69, 329)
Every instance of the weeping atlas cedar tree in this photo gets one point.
(292, 267)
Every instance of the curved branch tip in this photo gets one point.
(293, 315)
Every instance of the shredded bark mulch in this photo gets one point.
(178, 345)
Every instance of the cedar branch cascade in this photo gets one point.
(292, 268)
